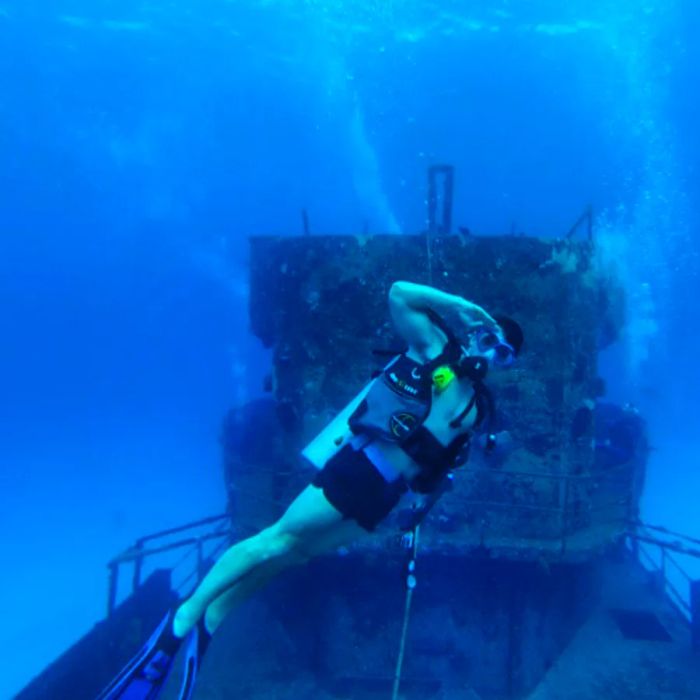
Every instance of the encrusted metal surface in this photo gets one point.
(321, 303)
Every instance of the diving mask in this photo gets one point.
(503, 353)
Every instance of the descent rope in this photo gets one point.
(411, 540)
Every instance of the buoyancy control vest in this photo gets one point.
(399, 402)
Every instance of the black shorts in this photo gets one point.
(354, 486)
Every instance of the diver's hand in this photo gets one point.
(474, 317)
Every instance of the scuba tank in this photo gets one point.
(335, 435)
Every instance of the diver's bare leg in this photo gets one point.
(342, 533)
(240, 592)
(290, 539)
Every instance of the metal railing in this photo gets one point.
(195, 544)
(636, 532)
(565, 503)
(681, 544)
(586, 219)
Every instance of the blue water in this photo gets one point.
(142, 143)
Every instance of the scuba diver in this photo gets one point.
(406, 431)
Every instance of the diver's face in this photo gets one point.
(474, 350)
(488, 355)
(492, 346)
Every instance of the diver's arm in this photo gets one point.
(418, 297)
(413, 325)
